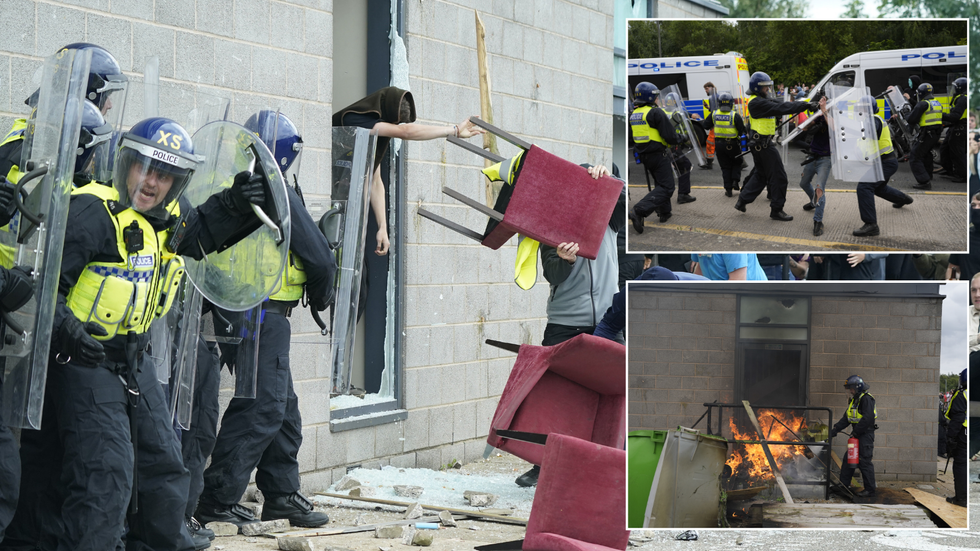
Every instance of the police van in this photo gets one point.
(878, 70)
(729, 72)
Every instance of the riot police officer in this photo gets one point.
(15, 291)
(653, 136)
(928, 115)
(265, 433)
(861, 415)
(866, 191)
(727, 126)
(956, 135)
(956, 441)
(768, 165)
(119, 272)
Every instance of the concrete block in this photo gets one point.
(361, 445)
(331, 448)
(451, 455)
(265, 527)
(194, 58)
(479, 499)
(441, 425)
(213, 17)
(428, 459)
(318, 33)
(176, 13)
(389, 439)
(58, 24)
(269, 73)
(476, 381)
(252, 21)
(295, 543)
(362, 491)
(300, 69)
(233, 65)
(414, 511)
(390, 532)
(412, 492)
(446, 519)
(307, 452)
(423, 538)
(222, 529)
(404, 461)
(473, 449)
(464, 421)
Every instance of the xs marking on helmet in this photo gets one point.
(167, 140)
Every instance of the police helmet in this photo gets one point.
(646, 93)
(924, 89)
(959, 85)
(857, 383)
(758, 80)
(868, 102)
(279, 134)
(725, 101)
(963, 379)
(96, 135)
(154, 162)
(105, 76)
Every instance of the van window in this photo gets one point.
(938, 76)
(662, 81)
(880, 79)
(845, 79)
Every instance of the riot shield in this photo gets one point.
(673, 103)
(38, 241)
(187, 318)
(854, 142)
(784, 126)
(345, 226)
(151, 89)
(899, 108)
(245, 274)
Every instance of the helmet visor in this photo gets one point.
(150, 180)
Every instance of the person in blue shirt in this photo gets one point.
(614, 320)
(725, 267)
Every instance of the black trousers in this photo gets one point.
(196, 444)
(866, 191)
(658, 200)
(768, 170)
(866, 449)
(731, 168)
(959, 465)
(956, 140)
(264, 432)
(78, 469)
(920, 158)
(683, 166)
(9, 468)
(555, 334)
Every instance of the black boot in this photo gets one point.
(294, 507)
(908, 201)
(728, 193)
(664, 216)
(685, 198)
(817, 228)
(218, 512)
(780, 215)
(926, 186)
(739, 205)
(530, 478)
(961, 501)
(637, 221)
(195, 528)
(867, 230)
(808, 206)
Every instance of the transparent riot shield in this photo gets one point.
(151, 88)
(245, 274)
(345, 226)
(673, 104)
(899, 109)
(39, 238)
(854, 141)
(784, 126)
(159, 352)
(187, 323)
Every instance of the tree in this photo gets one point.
(855, 9)
(766, 8)
(925, 8)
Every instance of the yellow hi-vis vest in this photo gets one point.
(852, 408)
(934, 115)
(764, 127)
(526, 264)
(885, 141)
(292, 280)
(952, 102)
(643, 132)
(950, 404)
(126, 296)
(8, 233)
(724, 124)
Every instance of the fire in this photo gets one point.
(748, 461)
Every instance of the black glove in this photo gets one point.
(324, 301)
(76, 341)
(17, 289)
(7, 208)
(248, 189)
(833, 433)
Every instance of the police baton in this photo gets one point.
(948, 457)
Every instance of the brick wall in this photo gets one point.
(551, 71)
(681, 354)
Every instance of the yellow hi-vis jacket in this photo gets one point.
(526, 265)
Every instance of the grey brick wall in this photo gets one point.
(681, 354)
(551, 72)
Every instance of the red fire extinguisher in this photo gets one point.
(852, 451)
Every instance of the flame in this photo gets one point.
(749, 460)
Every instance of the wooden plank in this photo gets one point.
(315, 532)
(746, 493)
(953, 515)
(486, 106)
(832, 515)
(476, 514)
(765, 448)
